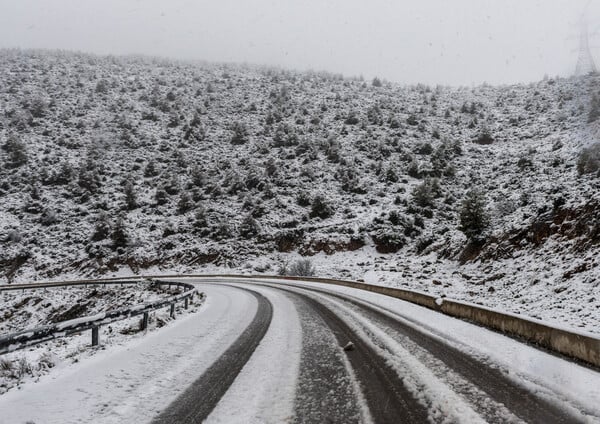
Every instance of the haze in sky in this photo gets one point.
(457, 42)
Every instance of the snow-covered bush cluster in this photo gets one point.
(113, 162)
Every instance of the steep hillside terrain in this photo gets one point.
(112, 164)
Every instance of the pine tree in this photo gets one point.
(474, 219)
(102, 227)
(130, 196)
(151, 170)
(89, 175)
(198, 176)
(588, 161)
(119, 234)
(249, 227)
(185, 203)
(17, 152)
(240, 133)
(200, 219)
(423, 194)
(320, 208)
(161, 196)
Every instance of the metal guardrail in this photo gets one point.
(30, 337)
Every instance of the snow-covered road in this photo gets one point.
(271, 352)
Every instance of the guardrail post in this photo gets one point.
(172, 310)
(145, 321)
(95, 335)
(186, 302)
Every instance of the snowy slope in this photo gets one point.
(120, 165)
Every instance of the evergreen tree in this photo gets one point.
(130, 196)
(588, 161)
(102, 227)
(320, 208)
(17, 152)
(474, 219)
(240, 133)
(200, 220)
(198, 176)
(423, 195)
(151, 170)
(161, 196)
(185, 203)
(249, 227)
(171, 186)
(89, 175)
(119, 234)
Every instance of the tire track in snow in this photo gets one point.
(198, 400)
(266, 386)
(132, 382)
(326, 390)
(387, 397)
(516, 398)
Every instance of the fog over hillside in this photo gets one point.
(462, 42)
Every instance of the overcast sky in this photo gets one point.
(457, 42)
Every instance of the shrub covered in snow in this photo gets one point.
(589, 160)
(300, 268)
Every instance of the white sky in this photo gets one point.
(432, 41)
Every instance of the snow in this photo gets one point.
(575, 384)
(134, 381)
(29, 309)
(541, 126)
(123, 113)
(360, 397)
(81, 320)
(431, 392)
(37, 307)
(266, 385)
(130, 383)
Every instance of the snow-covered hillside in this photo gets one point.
(114, 164)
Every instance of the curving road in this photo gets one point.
(268, 351)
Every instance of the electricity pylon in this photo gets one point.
(585, 61)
